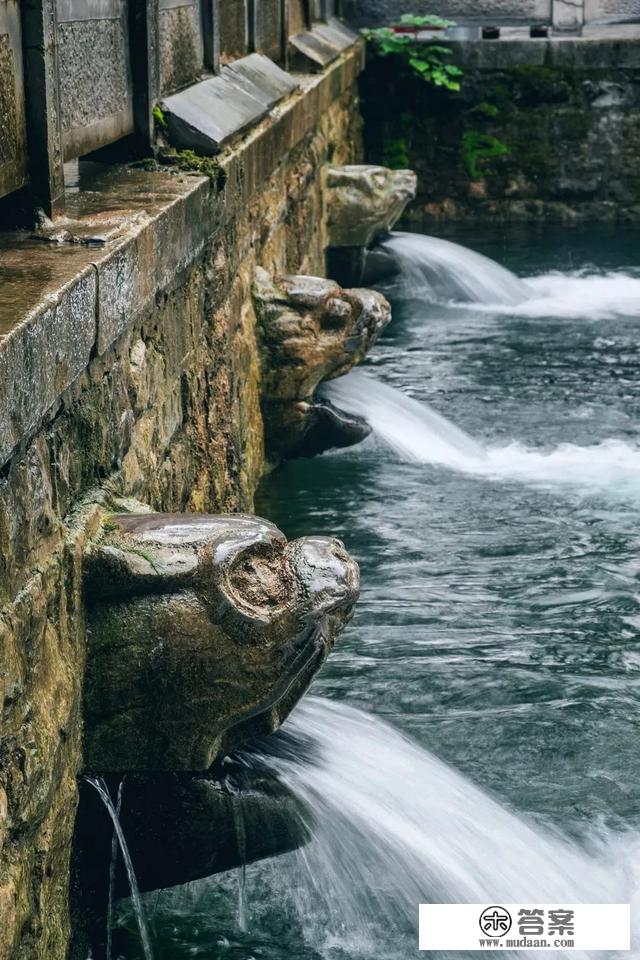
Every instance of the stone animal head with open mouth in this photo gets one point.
(365, 201)
(203, 630)
(311, 330)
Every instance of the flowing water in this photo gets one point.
(100, 787)
(474, 735)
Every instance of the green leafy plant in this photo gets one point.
(480, 148)
(428, 60)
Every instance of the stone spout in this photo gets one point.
(364, 202)
(203, 630)
(310, 330)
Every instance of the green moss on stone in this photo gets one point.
(207, 166)
(480, 148)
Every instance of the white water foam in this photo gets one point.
(394, 826)
(417, 433)
(439, 270)
(580, 295)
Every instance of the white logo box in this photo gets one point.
(592, 926)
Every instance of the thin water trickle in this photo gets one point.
(113, 862)
(241, 839)
(100, 786)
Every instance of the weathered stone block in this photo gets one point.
(261, 78)
(42, 355)
(268, 28)
(205, 116)
(200, 629)
(364, 202)
(310, 51)
(298, 16)
(567, 14)
(180, 43)
(13, 150)
(310, 330)
(233, 21)
(336, 34)
(96, 97)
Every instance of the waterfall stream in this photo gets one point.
(417, 433)
(442, 270)
(435, 269)
(497, 627)
(395, 827)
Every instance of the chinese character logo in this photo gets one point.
(561, 922)
(495, 921)
(530, 923)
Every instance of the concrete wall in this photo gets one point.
(96, 95)
(181, 43)
(375, 12)
(371, 12)
(131, 368)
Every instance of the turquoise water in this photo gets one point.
(499, 620)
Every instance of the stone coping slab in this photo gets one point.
(205, 116)
(60, 304)
(316, 48)
(262, 78)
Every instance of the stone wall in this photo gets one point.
(372, 12)
(540, 129)
(376, 12)
(162, 404)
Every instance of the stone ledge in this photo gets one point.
(68, 301)
(603, 49)
(42, 354)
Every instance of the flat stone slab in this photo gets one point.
(261, 78)
(206, 115)
(336, 34)
(316, 48)
(310, 52)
